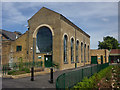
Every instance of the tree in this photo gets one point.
(108, 43)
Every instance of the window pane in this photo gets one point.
(19, 48)
(77, 51)
(85, 53)
(81, 52)
(72, 50)
(88, 53)
(44, 40)
(65, 48)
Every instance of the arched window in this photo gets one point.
(77, 51)
(88, 53)
(85, 53)
(65, 48)
(81, 52)
(72, 50)
(44, 40)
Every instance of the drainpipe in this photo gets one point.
(75, 51)
(33, 50)
(32, 69)
(105, 55)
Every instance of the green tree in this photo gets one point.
(108, 43)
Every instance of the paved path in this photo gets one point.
(41, 81)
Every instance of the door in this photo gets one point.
(101, 59)
(94, 60)
(48, 60)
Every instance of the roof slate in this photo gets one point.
(10, 35)
(115, 51)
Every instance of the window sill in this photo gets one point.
(65, 62)
(72, 62)
(18, 51)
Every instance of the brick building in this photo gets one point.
(51, 38)
(99, 56)
(6, 39)
(114, 55)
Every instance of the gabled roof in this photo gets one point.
(115, 52)
(8, 34)
(72, 24)
(65, 19)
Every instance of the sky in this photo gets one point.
(98, 19)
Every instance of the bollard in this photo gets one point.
(51, 75)
(75, 65)
(32, 74)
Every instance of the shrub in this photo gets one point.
(27, 70)
(20, 71)
(93, 80)
(11, 72)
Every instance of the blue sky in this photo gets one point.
(98, 19)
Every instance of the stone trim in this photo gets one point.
(46, 25)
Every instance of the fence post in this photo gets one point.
(82, 73)
(91, 70)
(64, 80)
(97, 68)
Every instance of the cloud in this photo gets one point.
(11, 14)
(105, 19)
(60, 1)
(97, 19)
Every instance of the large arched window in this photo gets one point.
(81, 52)
(85, 53)
(65, 48)
(88, 53)
(77, 51)
(44, 40)
(72, 50)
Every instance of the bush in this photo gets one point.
(17, 72)
(93, 80)
(27, 70)
(11, 72)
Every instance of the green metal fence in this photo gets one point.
(16, 66)
(69, 79)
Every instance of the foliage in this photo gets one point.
(11, 72)
(108, 43)
(93, 80)
(56, 65)
(20, 71)
(20, 62)
(27, 70)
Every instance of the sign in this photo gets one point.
(46, 58)
(99, 58)
(39, 57)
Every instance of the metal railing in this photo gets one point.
(16, 66)
(69, 79)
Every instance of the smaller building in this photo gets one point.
(99, 56)
(6, 38)
(114, 55)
